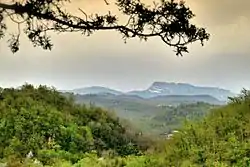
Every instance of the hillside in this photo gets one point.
(109, 100)
(53, 126)
(219, 140)
(180, 99)
(141, 112)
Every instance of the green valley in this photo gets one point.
(152, 116)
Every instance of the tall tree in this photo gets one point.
(168, 20)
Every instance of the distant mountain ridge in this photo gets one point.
(186, 99)
(161, 89)
(95, 90)
(156, 109)
(170, 88)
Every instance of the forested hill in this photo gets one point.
(48, 124)
(153, 116)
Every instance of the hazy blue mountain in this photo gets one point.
(109, 100)
(170, 88)
(160, 89)
(95, 90)
(181, 99)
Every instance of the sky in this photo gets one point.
(104, 60)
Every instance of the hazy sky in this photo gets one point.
(103, 59)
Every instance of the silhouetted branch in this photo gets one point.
(169, 21)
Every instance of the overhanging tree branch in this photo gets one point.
(168, 21)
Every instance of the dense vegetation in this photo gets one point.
(61, 133)
(221, 140)
(174, 117)
(50, 125)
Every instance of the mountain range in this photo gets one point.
(158, 89)
(147, 109)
